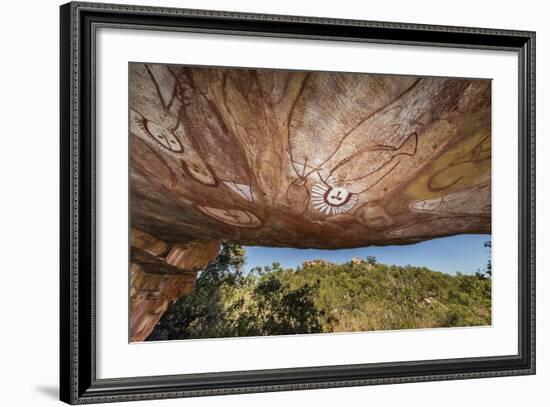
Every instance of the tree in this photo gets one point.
(326, 297)
(227, 303)
(203, 311)
(489, 267)
(371, 260)
(279, 309)
(487, 272)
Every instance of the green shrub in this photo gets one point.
(322, 298)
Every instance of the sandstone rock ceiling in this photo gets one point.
(307, 159)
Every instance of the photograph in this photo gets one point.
(290, 200)
(266, 202)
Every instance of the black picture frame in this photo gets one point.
(78, 382)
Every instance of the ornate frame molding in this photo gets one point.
(78, 380)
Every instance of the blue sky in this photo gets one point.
(463, 253)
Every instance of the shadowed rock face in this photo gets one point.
(159, 275)
(307, 159)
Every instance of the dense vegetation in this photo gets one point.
(323, 297)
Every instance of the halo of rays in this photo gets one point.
(318, 193)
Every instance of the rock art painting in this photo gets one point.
(334, 159)
(303, 159)
(332, 199)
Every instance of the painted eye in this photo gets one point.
(164, 137)
(149, 130)
(332, 200)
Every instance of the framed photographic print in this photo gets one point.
(255, 203)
